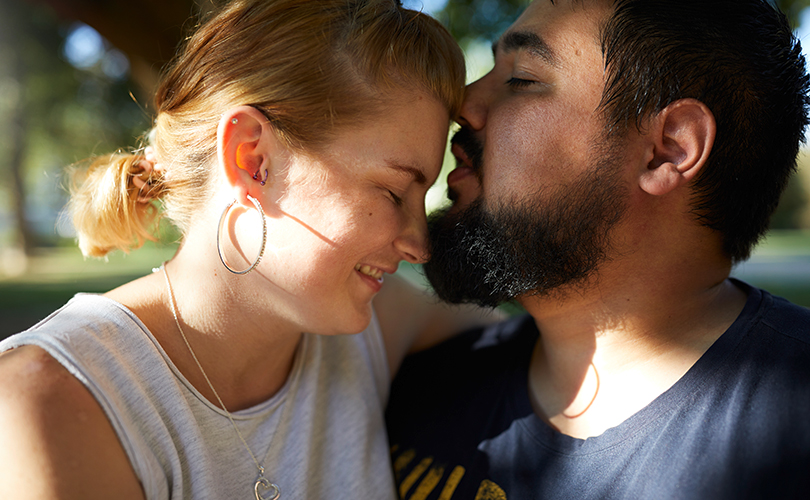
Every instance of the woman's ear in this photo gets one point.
(247, 150)
(682, 137)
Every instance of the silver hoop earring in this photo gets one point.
(264, 236)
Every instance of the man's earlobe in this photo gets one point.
(683, 135)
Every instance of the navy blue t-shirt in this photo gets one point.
(736, 425)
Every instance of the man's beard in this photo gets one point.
(532, 247)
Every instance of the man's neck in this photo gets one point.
(606, 352)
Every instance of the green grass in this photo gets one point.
(54, 275)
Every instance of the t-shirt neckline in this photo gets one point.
(686, 387)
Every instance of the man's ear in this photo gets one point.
(247, 150)
(682, 136)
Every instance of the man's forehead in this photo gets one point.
(529, 31)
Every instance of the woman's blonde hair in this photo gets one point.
(313, 67)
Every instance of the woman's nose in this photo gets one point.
(413, 243)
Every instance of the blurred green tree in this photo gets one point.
(147, 31)
(793, 9)
(470, 20)
(52, 114)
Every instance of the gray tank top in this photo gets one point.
(321, 436)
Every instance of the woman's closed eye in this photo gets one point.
(398, 201)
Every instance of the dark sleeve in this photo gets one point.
(448, 399)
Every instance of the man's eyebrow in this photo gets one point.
(418, 175)
(514, 40)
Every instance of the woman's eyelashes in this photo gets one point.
(398, 201)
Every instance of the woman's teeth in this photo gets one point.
(369, 271)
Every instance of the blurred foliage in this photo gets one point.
(470, 20)
(55, 113)
(793, 9)
(790, 213)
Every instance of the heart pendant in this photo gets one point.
(265, 490)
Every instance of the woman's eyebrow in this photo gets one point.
(417, 175)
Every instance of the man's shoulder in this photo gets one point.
(487, 348)
(445, 385)
(449, 399)
(788, 319)
(478, 365)
(491, 338)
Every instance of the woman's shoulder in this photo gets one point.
(31, 378)
(83, 315)
(55, 440)
(96, 343)
(32, 368)
(82, 309)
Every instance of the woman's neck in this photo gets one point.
(246, 352)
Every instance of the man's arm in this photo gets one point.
(55, 440)
(413, 319)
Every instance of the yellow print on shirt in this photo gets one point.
(425, 477)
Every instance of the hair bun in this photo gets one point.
(110, 203)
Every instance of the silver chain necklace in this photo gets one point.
(263, 488)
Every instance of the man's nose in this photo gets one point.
(475, 106)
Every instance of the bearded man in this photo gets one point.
(613, 166)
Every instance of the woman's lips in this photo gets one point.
(371, 275)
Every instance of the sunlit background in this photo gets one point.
(67, 93)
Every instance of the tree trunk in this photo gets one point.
(17, 134)
(24, 235)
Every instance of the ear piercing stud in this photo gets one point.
(234, 121)
(256, 177)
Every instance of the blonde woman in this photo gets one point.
(293, 145)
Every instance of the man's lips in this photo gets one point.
(464, 168)
(461, 155)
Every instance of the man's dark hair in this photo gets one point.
(740, 58)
